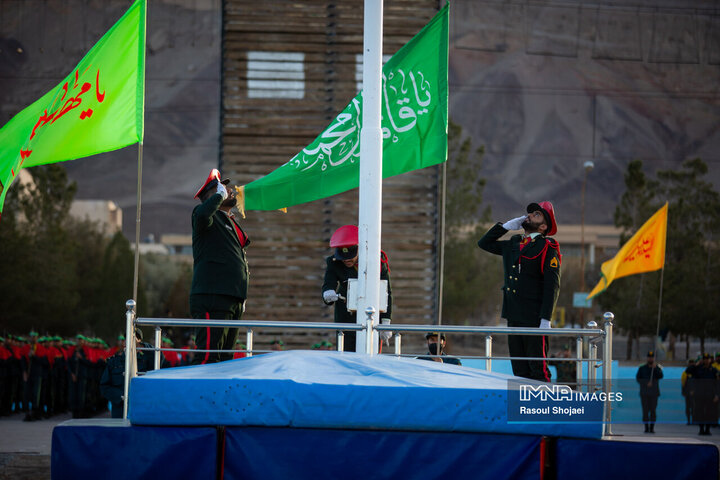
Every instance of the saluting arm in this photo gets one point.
(202, 216)
(489, 241)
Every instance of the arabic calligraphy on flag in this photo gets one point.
(98, 107)
(644, 252)
(414, 129)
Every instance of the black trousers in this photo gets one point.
(649, 405)
(529, 346)
(219, 307)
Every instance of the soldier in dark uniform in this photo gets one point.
(35, 361)
(648, 376)
(340, 267)
(220, 270)
(432, 342)
(532, 283)
(112, 382)
(5, 359)
(706, 393)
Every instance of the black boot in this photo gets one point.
(652, 428)
(647, 428)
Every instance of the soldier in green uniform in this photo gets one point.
(220, 269)
(532, 283)
(340, 267)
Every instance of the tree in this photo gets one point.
(471, 276)
(632, 299)
(690, 293)
(691, 281)
(59, 275)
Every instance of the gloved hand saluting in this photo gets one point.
(544, 323)
(515, 223)
(385, 335)
(330, 296)
(222, 190)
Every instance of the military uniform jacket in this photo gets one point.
(532, 277)
(219, 263)
(336, 278)
(643, 377)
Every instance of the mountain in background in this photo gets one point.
(543, 88)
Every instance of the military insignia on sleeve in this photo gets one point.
(554, 262)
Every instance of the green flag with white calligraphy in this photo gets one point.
(98, 107)
(414, 129)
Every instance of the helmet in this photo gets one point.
(345, 236)
(548, 212)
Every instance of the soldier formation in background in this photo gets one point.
(43, 376)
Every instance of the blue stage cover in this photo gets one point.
(334, 390)
(658, 460)
(113, 449)
(256, 452)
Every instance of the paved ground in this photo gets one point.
(25, 447)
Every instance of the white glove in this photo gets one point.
(544, 323)
(330, 296)
(385, 335)
(515, 223)
(222, 190)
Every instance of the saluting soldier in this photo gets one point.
(220, 270)
(531, 262)
(705, 390)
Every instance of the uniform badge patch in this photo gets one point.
(554, 262)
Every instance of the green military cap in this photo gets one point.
(325, 343)
(33, 333)
(57, 338)
(80, 336)
(68, 342)
(20, 338)
(121, 337)
(2, 339)
(42, 339)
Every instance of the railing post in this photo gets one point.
(158, 345)
(249, 342)
(592, 355)
(579, 362)
(129, 353)
(340, 341)
(488, 353)
(398, 344)
(370, 312)
(607, 368)
(592, 367)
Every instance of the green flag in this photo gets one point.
(414, 128)
(98, 107)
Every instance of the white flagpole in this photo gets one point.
(370, 202)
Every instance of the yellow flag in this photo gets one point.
(644, 252)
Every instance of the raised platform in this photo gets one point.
(314, 389)
(320, 415)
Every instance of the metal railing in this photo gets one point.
(588, 337)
